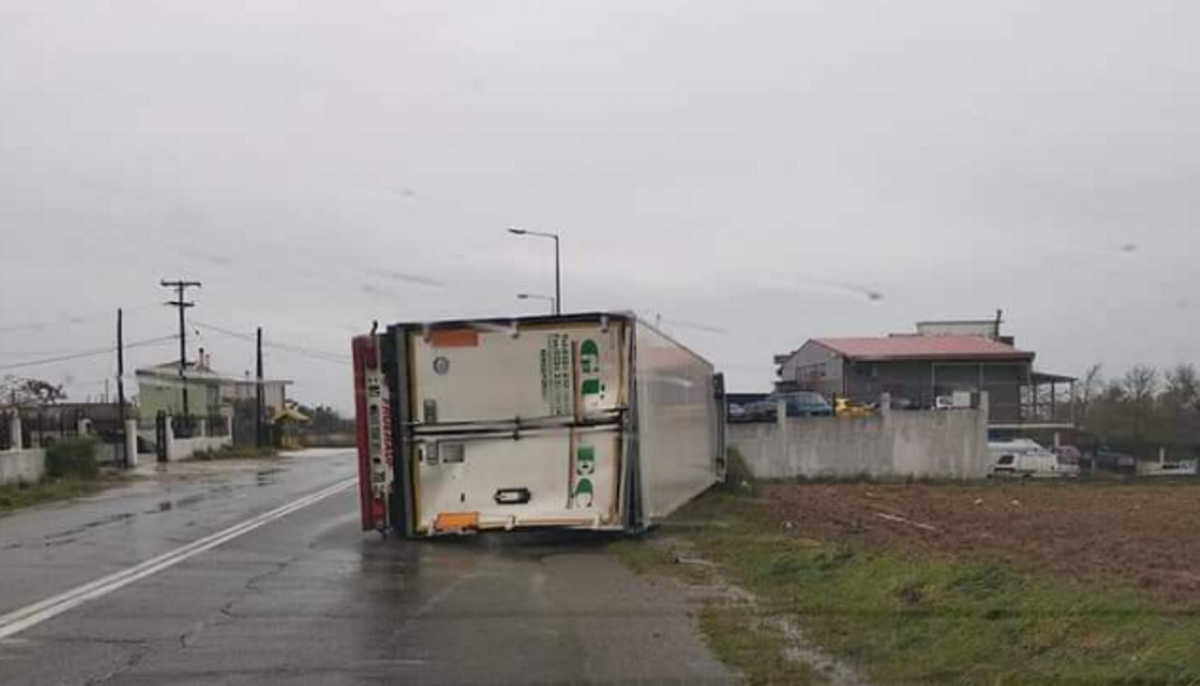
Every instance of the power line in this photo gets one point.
(313, 353)
(70, 320)
(87, 353)
(227, 332)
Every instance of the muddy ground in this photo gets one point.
(1147, 532)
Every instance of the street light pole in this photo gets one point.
(557, 279)
(557, 263)
(535, 296)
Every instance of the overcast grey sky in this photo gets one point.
(723, 163)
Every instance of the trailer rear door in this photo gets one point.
(517, 428)
(550, 477)
(469, 374)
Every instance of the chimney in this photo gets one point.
(200, 361)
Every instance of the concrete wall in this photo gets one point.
(17, 466)
(183, 448)
(947, 444)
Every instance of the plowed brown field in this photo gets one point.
(1148, 532)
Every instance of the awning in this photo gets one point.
(1046, 377)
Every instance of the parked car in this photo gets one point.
(802, 404)
(761, 411)
(1106, 458)
(1167, 468)
(1068, 454)
(845, 407)
(1024, 458)
(737, 413)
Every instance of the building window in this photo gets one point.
(810, 372)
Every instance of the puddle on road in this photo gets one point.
(190, 500)
(534, 545)
(53, 539)
(168, 505)
(66, 536)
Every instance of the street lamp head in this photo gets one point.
(519, 232)
(522, 296)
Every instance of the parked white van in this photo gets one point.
(1022, 457)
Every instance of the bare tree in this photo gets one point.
(1140, 384)
(1178, 416)
(1087, 389)
(29, 392)
(1182, 386)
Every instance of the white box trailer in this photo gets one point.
(588, 421)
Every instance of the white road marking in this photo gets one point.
(36, 613)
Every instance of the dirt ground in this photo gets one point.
(1148, 532)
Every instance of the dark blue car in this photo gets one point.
(801, 404)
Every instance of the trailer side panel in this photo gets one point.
(678, 441)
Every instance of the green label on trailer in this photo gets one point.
(590, 386)
(583, 493)
(556, 374)
(585, 466)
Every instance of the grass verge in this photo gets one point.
(17, 496)
(733, 630)
(922, 618)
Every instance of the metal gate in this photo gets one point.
(160, 436)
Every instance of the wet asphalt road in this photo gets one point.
(308, 598)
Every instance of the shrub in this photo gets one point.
(738, 478)
(72, 457)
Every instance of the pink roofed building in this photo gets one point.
(938, 360)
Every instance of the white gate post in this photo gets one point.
(170, 438)
(14, 430)
(131, 442)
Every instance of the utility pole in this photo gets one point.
(180, 287)
(121, 389)
(258, 391)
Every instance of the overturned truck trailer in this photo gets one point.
(586, 421)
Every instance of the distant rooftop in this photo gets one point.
(923, 347)
(170, 370)
(990, 322)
